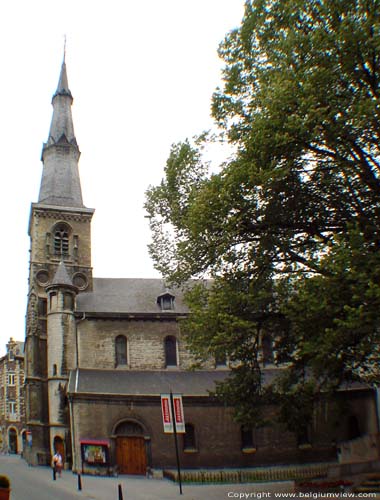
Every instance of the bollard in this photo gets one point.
(79, 482)
(120, 492)
(54, 474)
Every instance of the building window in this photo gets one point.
(353, 428)
(53, 300)
(68, 301)
(247, 442)
(61, 240)
(42, 307)
(11, 379)
(12, 407)
(170, 351)
(11, 355)
(303, 437)
(220, 359)
(42, 314)
(121, 354)
(267, 349)
(166, 301)
(189, 443)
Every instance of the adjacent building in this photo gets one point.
(100, 352)
(12, 408)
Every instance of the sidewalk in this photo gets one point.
(133, 487)
(137, 488)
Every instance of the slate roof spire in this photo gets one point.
(61, 277)
(60, 183)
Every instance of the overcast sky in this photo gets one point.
(142, 74)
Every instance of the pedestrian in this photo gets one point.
(57, 463)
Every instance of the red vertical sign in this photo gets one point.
(166, 413)
(178, 413)
(167, 417)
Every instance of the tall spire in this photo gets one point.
(60, 183)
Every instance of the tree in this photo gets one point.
(288, 228)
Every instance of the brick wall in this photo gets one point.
(218, 438)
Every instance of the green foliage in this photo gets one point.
(334, 316)
(289, 228)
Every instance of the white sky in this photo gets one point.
(142, 74)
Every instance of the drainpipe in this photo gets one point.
(79, 320)
(72, 425)
(74, 468)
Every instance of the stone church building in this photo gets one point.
(99, 352)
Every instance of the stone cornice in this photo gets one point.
(140, 400)
(69, 212)
(77, 214)
(148, 316)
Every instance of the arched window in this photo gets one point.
(220, 359)
(189, 443)
(129, 428)
(353, 428)
(121, 355)
(246, 437)
(61, 240)
(170, 351)
(303, 437)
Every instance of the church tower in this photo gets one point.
(59, 268)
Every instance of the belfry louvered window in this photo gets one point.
(61, 240)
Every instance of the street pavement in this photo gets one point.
(36, 483)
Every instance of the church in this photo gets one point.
(100, 352)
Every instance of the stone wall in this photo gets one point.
(145, 338)
(362, 449)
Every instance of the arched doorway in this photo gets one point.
(130, 448)
(12, 440)
(59, 447)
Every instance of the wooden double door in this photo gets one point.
(131, 455)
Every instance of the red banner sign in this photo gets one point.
(167, 417)
(166, 413)
(178, 412)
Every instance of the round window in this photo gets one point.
(80, 281)
(42, 277)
